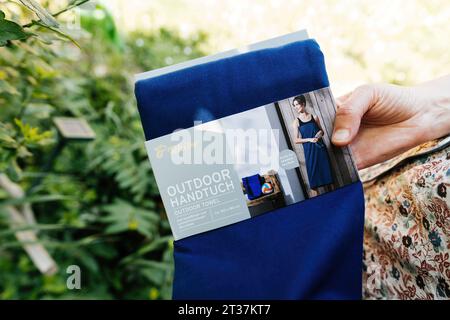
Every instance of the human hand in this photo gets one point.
(381, 121)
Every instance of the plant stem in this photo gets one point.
(70, 7)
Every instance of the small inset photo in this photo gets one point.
(308, 123)
(296, 132)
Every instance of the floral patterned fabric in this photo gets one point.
(407, 227)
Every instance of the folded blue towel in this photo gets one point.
(308, 250)
(253, 186)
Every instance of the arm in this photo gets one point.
(319, 133)
(298, 139)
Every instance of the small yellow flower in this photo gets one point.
(114, 140)
(153, 294)
(133, 224)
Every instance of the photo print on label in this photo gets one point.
(237, 167)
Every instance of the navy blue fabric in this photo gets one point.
(316, 155)
(253, 186)
(308, 250)
(221, 88)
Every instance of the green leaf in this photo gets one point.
(34, 199)
(123, 216)
(10, 30)
(33, 135)
(117, 227)
(14, 171)
(156, 244)
(36, 227)
(155, 265)
(154, 271)
(155, 277)
(59, 32)
(45, 16)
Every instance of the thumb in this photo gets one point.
(350, 109)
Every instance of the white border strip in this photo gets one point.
(271, 43)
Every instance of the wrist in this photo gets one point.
(435, 115)
(439, 120)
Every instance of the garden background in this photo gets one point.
(95, 203)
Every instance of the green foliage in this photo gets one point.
(101, 23)
(97, 205)
(123, 216)
(42, 14)
(10, 30)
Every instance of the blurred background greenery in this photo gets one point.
(96, 205)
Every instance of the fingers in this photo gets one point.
(350, 109)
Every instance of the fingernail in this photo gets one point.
(341, 135)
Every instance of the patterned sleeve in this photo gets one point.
(407, 225)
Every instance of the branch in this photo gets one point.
(70, 7)
(36, 251)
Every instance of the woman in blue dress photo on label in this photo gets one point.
(309, 134)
